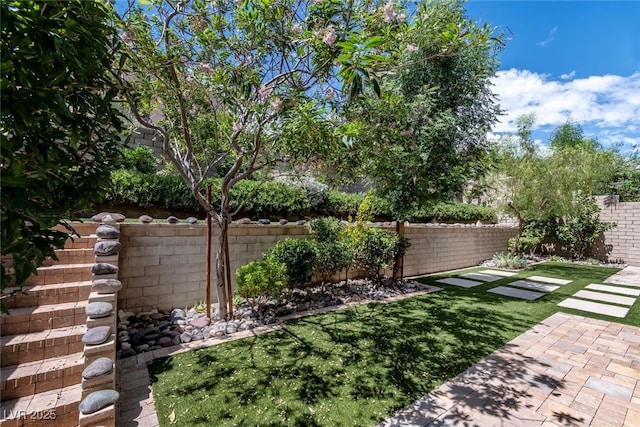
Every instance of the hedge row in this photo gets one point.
(269, 200)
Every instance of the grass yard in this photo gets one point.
(354, 367)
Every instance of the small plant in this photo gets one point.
(557, 258)
(200, 307)
(260, 278)
(592, 261)
(299, 257)
(509, 261)
(527, 243)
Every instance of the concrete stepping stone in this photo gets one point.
(498, 273)
(542, 287)
(481, 277)
(614, 289)
(459, 282)
(594, 307)
(551, 280)
(599, 296)
(516, 293)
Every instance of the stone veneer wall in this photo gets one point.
(624, 240)
(163, 265)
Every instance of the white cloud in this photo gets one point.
(568, 76)
(549, 38)
(608, 106)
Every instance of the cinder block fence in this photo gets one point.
(163, 265)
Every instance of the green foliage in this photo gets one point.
(333, 254)
(509, 261)
(327, 229)
(149, 190)
(461, 212)
(298, 255)
(339, 204)
(579, 231)
(540, 187)
(140, 159)
(269, 198)
(375, 249)
(626, 179)
(258, 278)
(415, 142)
(170, 192)
(60, 131)
(527, 243)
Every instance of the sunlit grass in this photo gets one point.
(355, 366)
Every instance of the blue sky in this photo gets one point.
(576, 60)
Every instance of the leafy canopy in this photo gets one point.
(60, 128)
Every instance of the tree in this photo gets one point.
(60, 130)
(418, 141)
(571, 135)
(542, 187)
(247, 82)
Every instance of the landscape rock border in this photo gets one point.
(154, 329)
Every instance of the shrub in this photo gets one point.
(333, 254)
(298, 255)
(258, 278)
(326, 229)
(509, 261)
(269, 198)
(339, 204)
(461, 212)
(528, 242)
(149, 190)
(579, 232)
(140, 159)
(375, 249)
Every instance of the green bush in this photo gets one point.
(326, 229)
(333, 254)
(375, 249)
(299, 257)
(259, 278)
(580, 231)
(339, 204)
(461, 212)
(140, 159)
(528, 242)
(149, 190)
(270, 198)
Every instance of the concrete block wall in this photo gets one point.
(444, 247)
(624, 240)
(163, 265)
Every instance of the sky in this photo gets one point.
(568, 60)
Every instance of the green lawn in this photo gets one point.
(355, 366)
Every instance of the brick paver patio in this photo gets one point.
(567, 370)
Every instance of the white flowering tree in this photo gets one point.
(248, 83)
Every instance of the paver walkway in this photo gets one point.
(567, 370)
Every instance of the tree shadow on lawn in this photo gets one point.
(354, 365)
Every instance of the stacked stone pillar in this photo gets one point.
(99, 395)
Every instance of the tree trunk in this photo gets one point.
(221, 276)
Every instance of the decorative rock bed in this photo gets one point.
(150, 330)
